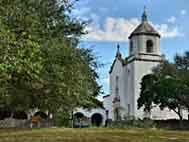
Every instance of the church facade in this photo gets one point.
(125, 78)
(126, 75)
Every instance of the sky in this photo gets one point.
(111, 22)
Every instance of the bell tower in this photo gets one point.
(144, 55)
(144, 40)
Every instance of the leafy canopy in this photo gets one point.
(41, 65)
(167, 87)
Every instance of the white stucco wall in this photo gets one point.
(107, 103)
(90, 112)
(117, 71)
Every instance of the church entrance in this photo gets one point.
(5, 114)
(96, 119)
(78, 120)
(41, 114)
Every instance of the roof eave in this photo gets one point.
(144, 33)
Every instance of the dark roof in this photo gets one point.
(144, 28)
(112, 66)
(106, 96)
(118, 57)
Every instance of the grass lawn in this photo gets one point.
(93, 135)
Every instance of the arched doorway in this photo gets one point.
(39, 120)
(78, 115)
(41, 114)
(4, 114)
(96, 119)
(78, 119)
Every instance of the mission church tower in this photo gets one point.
(126, 74)
(125, 78)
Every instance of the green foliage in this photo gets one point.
(168, 87)
(62, 119)
(41, 65)
(133, 124)
(147, 92)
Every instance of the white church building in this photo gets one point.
(126, 75)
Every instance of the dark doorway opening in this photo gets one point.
(4, 114)
(78, 120)
(96, 119)
(41, 114)
(78, 115)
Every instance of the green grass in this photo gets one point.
(93, 135)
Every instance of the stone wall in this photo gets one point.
(14, 123)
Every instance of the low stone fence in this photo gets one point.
(16, 123)
(172, 124)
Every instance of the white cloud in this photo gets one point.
(118, 29)
(167, 32)
(183, 12)
(113, 30)
(81, 13)
(172, 19)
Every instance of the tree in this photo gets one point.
(167, 87)
(40, 61)
(148, 94)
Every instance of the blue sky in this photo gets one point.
(113, 20)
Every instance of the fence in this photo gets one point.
(16, 123)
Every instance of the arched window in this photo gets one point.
(117, 85)
(149, 46)
(131, 46)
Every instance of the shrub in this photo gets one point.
(62, 119)
(133, 124)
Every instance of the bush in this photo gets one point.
(62, 119)
(133, 124)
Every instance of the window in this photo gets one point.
(117, 85)
(107, 114)
(117, 91)
(131, 46)
(129, 109)
(149, 46)
(117, 80)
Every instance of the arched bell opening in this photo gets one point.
(149, 46)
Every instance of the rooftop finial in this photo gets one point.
(118, 54)
(145, 15)
(118, 47)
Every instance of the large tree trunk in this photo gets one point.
(72, 118)
(180, 118)
(181, 122)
